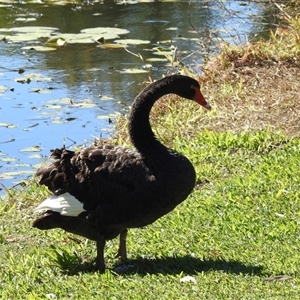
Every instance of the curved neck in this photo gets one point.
(140, 130)
(165, 163)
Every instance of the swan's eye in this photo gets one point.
(195, 88)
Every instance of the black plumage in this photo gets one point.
(122, 188)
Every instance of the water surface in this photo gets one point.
(75, 92)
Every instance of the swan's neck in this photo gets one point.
(162, 161)
(140, 130)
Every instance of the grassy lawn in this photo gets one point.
(237, 236)
(238, 230)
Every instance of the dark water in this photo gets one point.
(40, 115)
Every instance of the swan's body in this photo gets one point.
(120, 188)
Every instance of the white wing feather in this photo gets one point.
(65, 204)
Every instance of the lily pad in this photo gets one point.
(8, 159)
(85, 36)
(25, 19)
(22, 37)
(102, 117)
(64, 100)
(93, 35)
(114, 114)
(157, 59)
(86, 103)
(54, 106)
(57, 120)
(39, 48)
(78, 38)
(132, 42)
(106, 98)
(56, 41)
(110, 46)
(36, 155)
(31, 149)
(22, 80)
(105, 30)
(38, 77)
(93, 69)
(133, 71)
(7, 125)
(26, 29)
(22, 165)
(3, 89)
(11, 175)
(27, 33)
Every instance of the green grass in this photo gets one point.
(238, 228)
(236, 231)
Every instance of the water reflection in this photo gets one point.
(84, 73)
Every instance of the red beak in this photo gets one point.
(200, 99)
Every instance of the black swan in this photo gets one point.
(101, 191)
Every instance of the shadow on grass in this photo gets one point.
(186, 264)
(167, 265)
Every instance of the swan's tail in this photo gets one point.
(66, 212)
(65, 204)
(60, 178)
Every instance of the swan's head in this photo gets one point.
(189, 88)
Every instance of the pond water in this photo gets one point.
(72, 95)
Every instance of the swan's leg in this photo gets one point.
(100, 254)
(122, 251)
